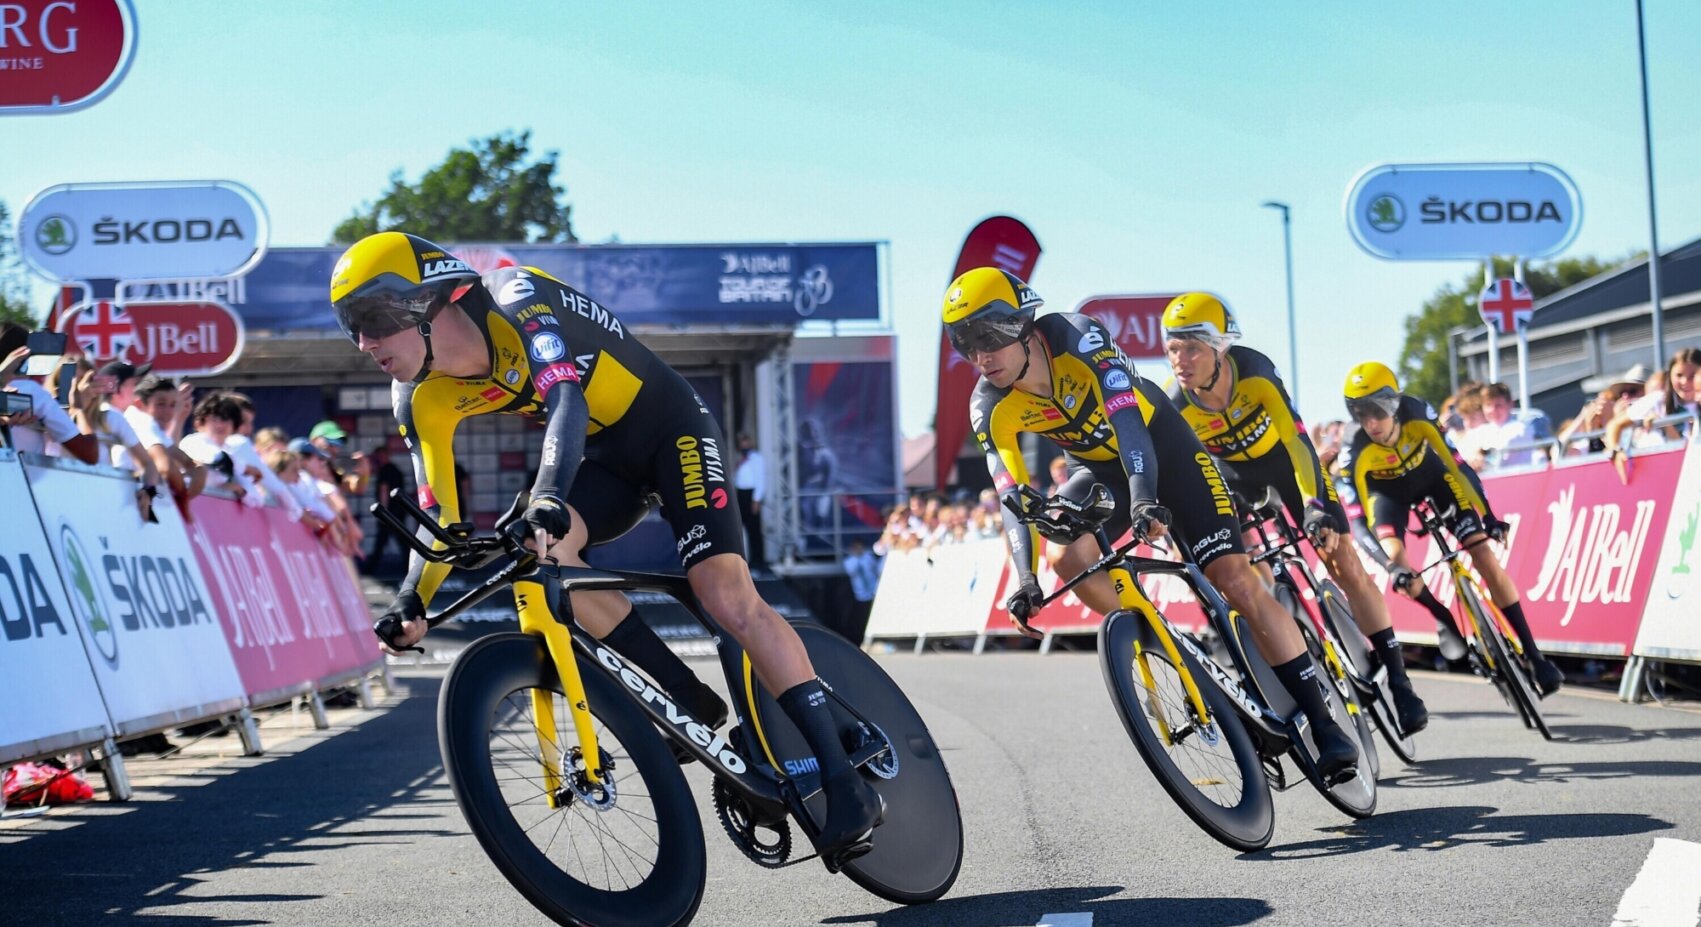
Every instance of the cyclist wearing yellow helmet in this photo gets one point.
(619, 426)
(1399, 456)
(1062, 376)
(1234, 398)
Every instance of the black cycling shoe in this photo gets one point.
(1410, 710)
(1337, 754)
(1452, 645)
(854, 809)
(706, 706)
(1548, 677)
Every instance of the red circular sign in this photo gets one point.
(61, 55)
(177, 338)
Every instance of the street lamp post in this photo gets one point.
(1653, 220)
(1293, 338)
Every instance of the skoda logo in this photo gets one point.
(1386, 213)
(86, 599)
(55, 235)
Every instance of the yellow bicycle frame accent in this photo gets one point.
(535, 619)
(1463, 579)
(754, 715)
(1129, 596)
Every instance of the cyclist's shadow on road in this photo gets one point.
(1443, 828)
(160, 854)
(1478, 770)
(1026, 908)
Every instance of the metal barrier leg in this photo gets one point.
(1045, 644)
(316, 705)
(384, 679)
(250, 733)
(980, 643)
(1630, 686)
(112, 770)
(920, 644)
(368, 701)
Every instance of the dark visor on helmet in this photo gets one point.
(381, 313)
(1380, 404)
(980, 337)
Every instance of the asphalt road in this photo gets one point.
(1064, 826)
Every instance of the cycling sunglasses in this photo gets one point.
(381, 313)
(972, 338)
(1376, 405)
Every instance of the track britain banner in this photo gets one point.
(291, 612)
(746, 284)
(52, 702)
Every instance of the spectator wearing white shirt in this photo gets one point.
(108, 426)
(216, 418)
(316, 512)
(751, 482)
(1681, 393)
(154, 406)
(241, 448)
(1503, 429)
(316, 469)
(46, 421)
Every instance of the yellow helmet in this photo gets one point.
(1202, 316)
(1372, 389)
(390, 281)
(987, 309)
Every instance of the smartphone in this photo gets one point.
(14, 403)
(62, 389)
(45, 349)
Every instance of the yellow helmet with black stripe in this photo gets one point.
(391, 281)
(988, 308)
(1201, 316)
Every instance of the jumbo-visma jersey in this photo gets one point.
(1258, 418)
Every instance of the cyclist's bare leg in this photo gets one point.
(1369, 609)
(1097, 591)
(596, 612)
(1273, 630)
(1500, 587)
(723, 584)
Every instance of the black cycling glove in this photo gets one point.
(1317, 517)
(406, 607)
(1145, 517)
(1024, 603)
(548, 514)
(1402, 579)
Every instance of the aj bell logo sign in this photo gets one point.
(179, 338)
(142, 231)
(1427, 212)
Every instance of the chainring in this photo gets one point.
(741, 828)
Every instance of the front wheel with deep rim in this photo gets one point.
(625, 853)
(1511, 676)
(1208, 766)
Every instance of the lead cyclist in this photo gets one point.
(619, 426)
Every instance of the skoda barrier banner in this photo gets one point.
(290, 617)
(51, 702)
(746, 284)
(144, 231)
(1434, 212)
(148, 619)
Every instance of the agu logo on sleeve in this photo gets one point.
(86, 597)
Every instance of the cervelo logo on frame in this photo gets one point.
(700, 734)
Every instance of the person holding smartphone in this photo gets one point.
(46, 420)
(87, 404)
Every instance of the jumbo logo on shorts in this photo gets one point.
(697, 461)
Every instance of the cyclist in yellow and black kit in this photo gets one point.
(1234, 399)
(619, 427)
(1061, 376)
(1398, 457)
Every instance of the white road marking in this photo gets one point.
(1066, 920)
(1667, 892)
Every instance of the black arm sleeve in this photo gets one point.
(564, 430)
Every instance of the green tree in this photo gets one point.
(14, 285)
(490, 191)
(1423, 357)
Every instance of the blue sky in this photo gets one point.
(1136, 139)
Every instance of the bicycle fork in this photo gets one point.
(1132, 598)
(537, 618)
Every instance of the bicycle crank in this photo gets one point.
(742, 827)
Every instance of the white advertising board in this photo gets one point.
(143, 231)
(1671, 629)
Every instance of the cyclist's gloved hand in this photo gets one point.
(403, 623)
(547, 513)
(1024, 603)
(1318, 517)
(1402, 579)
(1496, 529)
(1150, 520)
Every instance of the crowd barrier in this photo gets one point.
(1604, 567)
(111, 627)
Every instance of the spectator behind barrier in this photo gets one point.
(242, 449)
(316, 512)
(89, 390)
(154, 406)
(1679, 393)
(388, 479)
(1461, 431)
(317, 473)
(31, 429)
(216, 418)
(1597, 413)
(1506, 432)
